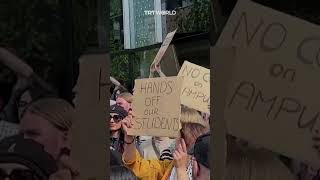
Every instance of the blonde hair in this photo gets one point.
(57, 111)
(126, 96)
(189, 115)
(192, 123)
(254, 164)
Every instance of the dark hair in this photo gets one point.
(121, 173)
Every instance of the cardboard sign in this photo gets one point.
(222, 58)
(164, 47)
(273, 95)
(157, 107)
(195, 91)
(89, 132)
(170, 64)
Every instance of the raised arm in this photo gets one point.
(142, 168)
(129, 154)
(15, 63)
(156, 68)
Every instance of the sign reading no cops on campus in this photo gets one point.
(195, 91)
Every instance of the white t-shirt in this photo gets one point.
(173, 175)
(147, 149)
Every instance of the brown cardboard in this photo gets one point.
(221, 58)
(277, 57)
(195, 92)
(163, 48)
(89, 132)
(156, 103)
(271, 110)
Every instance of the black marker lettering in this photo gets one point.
(242, 91)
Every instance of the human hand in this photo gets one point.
(67, 169)
(155, 67)
(63, 174)
(126, 124)
(15, 63)
(180, 155)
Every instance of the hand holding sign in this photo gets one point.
(126, 124)
(155, 65)
(157, 107)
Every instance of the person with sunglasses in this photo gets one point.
(117, 114)
(192, 127)
(25, 159)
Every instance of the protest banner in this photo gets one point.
(272, 97)
(163, 48)
(89, 132)
(195, 91)
(170, 64)
(157, 107)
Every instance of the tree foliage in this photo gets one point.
(198, 19)
(33, 29)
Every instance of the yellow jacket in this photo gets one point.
(150, 169)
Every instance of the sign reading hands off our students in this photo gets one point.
(195, 92)
(273, 95)
(157, 107)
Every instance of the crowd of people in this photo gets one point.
(35, 128)
(35, 141)
(146, 157)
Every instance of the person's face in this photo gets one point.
(115, 122)
(14, 171)
(25, 99)
(123, 103)
(188, 138)
(42, 131)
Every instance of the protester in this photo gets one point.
(121, 173)
(30, 94)
(115, 158)
(250, 163)
(25, 159)
(48, 121)
(115, 90)
(25, 79)
(156, 169)
(117, 114)
(125, 100)
(153, 147)
(201, 151)
(166, 155)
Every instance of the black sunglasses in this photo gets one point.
(116, 118)
(19, 174)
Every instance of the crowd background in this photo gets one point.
(38, 116)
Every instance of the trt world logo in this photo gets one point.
(163, 13)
